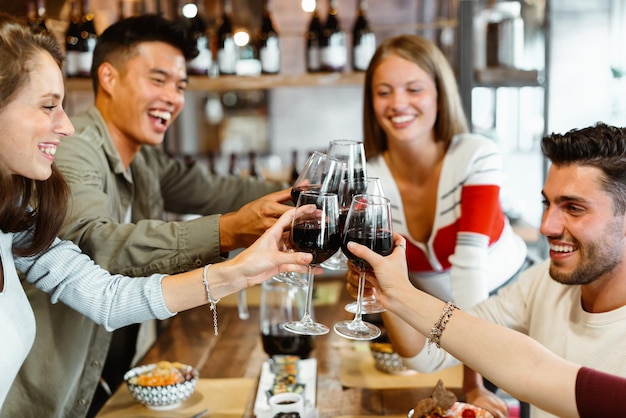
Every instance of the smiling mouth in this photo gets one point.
(402, 119)
(48, 149)
(161, 115)
(562, 248)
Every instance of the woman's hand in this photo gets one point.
(389, 274)
(352, 282)
(264, 259)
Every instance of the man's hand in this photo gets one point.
(240, 229)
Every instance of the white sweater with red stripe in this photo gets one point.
(472, 248)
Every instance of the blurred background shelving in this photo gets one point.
(567, 78)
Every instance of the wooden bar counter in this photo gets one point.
(237, 352)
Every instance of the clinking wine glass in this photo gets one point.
(352, 153)
(347, 190)
(315, 232)
(369, 304)
(320, 173)
(368, 223)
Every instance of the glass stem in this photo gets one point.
(359, 297)
(306, 318)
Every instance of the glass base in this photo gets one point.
(337, 262)
(370, 306)
(357, 330)
(306, 328)
(292, 279)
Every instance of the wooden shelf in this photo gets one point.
(507, 77)
(262, 82)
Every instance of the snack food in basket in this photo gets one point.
(163, 385)
(164, 373)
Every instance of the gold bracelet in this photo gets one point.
(212, 302)
(440, 325)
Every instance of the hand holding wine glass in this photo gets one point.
(315, 232)
(368, 223)
(320, 173)
(352, 154)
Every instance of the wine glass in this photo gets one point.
(369, 304)
(320, 173)
(347, 190)
(352, 153)
(315, 232)
(368, 223)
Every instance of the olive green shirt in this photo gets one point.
(62, 370)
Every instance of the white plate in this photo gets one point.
(307, 374)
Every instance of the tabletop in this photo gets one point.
(237, 352)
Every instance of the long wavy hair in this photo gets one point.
(451, 119)
(26, 203)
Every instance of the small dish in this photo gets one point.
(387, 360)
(161, 397)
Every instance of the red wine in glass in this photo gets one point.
(289, 343)
(368, 223)
(380, 241)
(295, 191)
(314, 230)
(309, 238)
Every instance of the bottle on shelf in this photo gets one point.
(194, 15)
(333, 50)
(294, 166)
(227, 53)
(72, 36)
(254, 170)
(212, 161)
(86, 41)
(363, 39)
(129, 8)
(313, 37)
(36, 14)
(233, 167)
(269, 45)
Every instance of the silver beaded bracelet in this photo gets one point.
(212, 302)
(440, 325)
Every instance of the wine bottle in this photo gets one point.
(233, 168)
(269, 48)
(333, 51)
(227, 54)
(86, 41)
(363, 39)
(194, 15)
(294, 166)
(72, 35)
(212, 161)
(254, 165)
(36, 14)
(313, 36)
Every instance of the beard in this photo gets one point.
(599, 258)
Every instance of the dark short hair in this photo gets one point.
(601, 146)
(118, 42)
